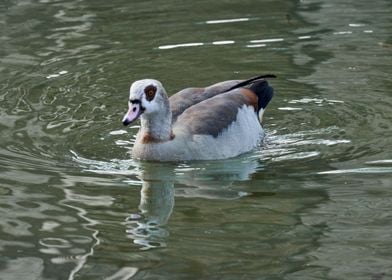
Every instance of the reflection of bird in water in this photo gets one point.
(156, 206)
(157, 201)
(214, 179)
(211, 180)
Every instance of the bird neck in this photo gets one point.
(157, 127)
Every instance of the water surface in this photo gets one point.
(313, 203)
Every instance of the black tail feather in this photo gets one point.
(250, 81)
(260, 87)
(263, 91)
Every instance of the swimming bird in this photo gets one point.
(216, 122)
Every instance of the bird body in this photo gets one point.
(216, 122)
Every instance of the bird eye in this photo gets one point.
(150, 92)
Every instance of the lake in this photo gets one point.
(313, 202)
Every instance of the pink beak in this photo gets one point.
(133, 113)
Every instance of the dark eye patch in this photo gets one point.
(150, 92)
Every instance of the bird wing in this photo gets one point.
(212, 116)
(189, 97)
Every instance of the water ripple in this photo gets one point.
(219, 21)
(364, 170)
(377, 167)
(296, 145)
(124, 273)
(257, 43)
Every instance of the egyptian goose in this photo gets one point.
(216, 122)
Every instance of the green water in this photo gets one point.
(315, 202)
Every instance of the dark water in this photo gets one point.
(314, 203)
